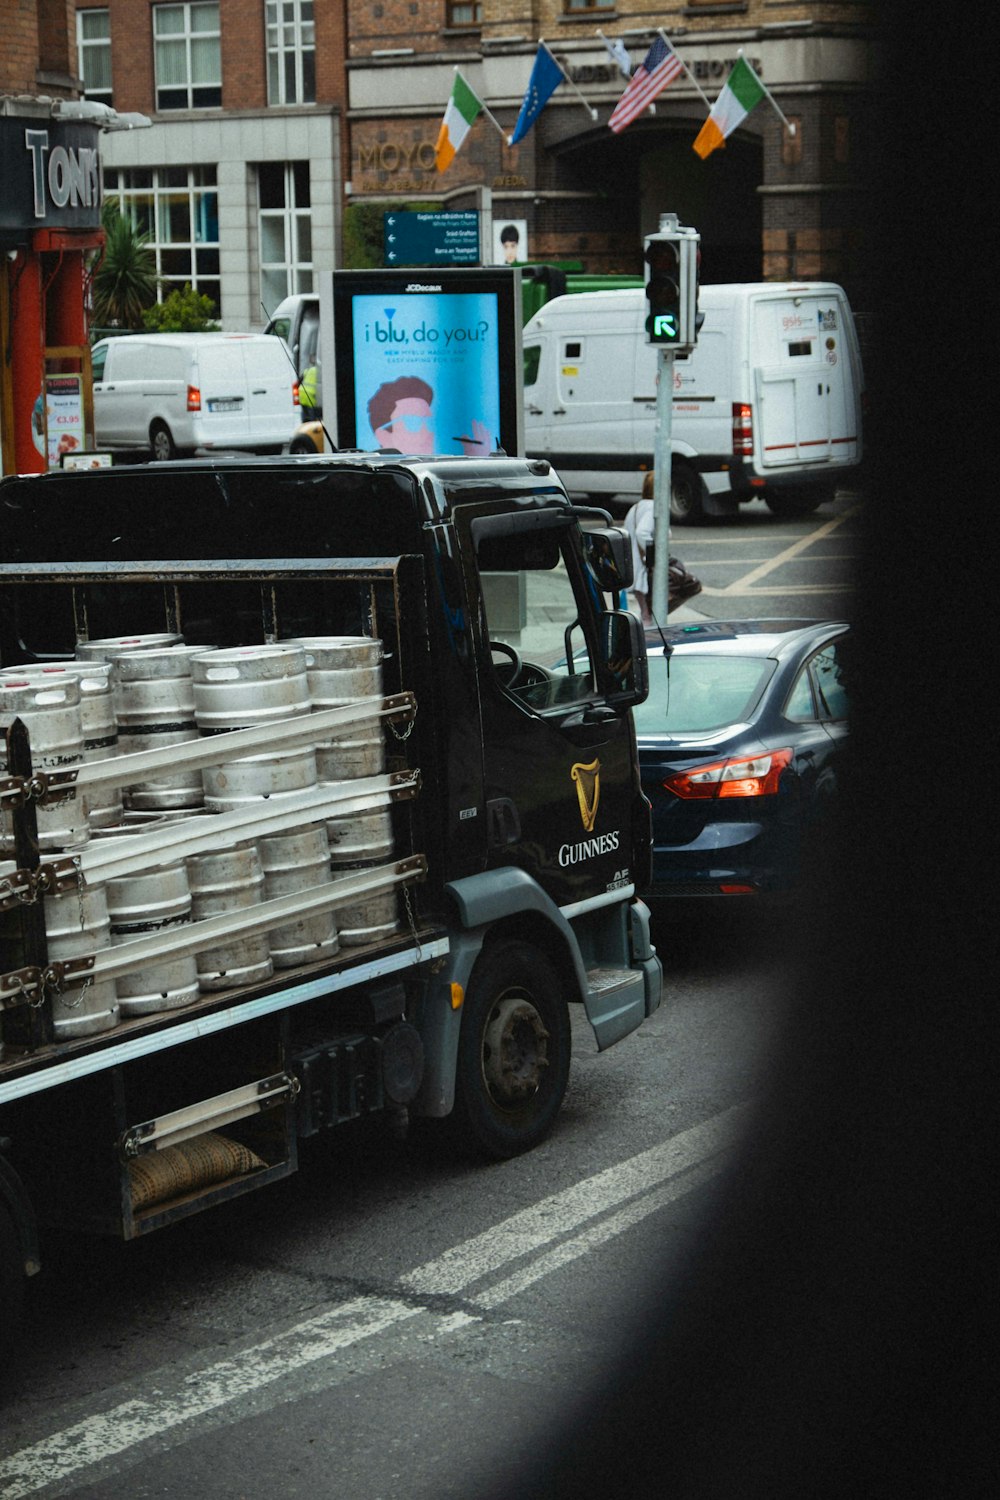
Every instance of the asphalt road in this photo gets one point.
(755, 564)
(391, 1322)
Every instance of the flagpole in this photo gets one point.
(482, 105)
(592, 112)
(787, 123)
(661, 33)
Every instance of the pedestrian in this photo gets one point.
(309, 395)
(639, 525)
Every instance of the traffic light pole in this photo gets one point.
(662, 456)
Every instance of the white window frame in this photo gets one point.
(193, 12)
(291, 40)
(89, 45)
(156, 197)
(296, 269)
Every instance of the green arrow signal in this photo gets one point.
(665, 326)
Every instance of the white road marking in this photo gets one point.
(564, 1226)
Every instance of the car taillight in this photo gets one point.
(742, 428)
(194, 398)
(746, 776)
(295, 393)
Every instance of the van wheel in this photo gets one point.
(161, 444)
(687, 491)
(303, 445)
(513, 1051)
(794, 502)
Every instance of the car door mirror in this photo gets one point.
(624, 669)
(608, 553)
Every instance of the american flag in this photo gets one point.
(660, 66)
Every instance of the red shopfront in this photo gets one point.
(50, 237)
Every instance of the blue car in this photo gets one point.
(740, 741)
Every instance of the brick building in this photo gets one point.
(50, 235)
(272, 118)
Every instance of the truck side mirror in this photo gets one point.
(609, 557)
(624, 667)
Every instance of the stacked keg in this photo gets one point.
(48, 701)
(131, 693)
(251, 686)
(340, 670)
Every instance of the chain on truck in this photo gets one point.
(291, 831)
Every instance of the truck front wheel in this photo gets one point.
(513, 1051)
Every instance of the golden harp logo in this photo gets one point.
(588, 791)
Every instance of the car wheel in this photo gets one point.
(794, 502)
(513, 1051)
(687, 507)
(302, 445)
(161, 444)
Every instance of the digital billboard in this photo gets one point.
(425, 361)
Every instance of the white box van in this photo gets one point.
(296, 320)
(172, 393)
(768, 404)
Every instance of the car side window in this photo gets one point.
(97, 361)
(800, 705)
(827, 668)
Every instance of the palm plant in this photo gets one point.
(125, 280)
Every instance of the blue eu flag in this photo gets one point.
(546, 76)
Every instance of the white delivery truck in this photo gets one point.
(767, 405)
(173, 393)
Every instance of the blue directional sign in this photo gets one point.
(431, 239)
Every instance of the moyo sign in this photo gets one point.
(51, 174)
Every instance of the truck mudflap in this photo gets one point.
(612, 979)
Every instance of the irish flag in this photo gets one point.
(742, 91)
(463, 107)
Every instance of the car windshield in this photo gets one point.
(691, 693)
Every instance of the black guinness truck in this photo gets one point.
(519, 833)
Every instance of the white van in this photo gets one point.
(172, 393)
(296, 320)
(767, 405)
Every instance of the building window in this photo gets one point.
(188, 57)
(465, 13)
(285, 227)
(572, 6)
(291, 52)
(93, 54)
(178, 207)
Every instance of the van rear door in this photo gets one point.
(221, 378)
(805, 380)
(271, 379)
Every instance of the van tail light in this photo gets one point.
(194, 398)
(745, 776)
(742, 429)
(295, 393)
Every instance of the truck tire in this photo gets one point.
(161, 444)
(790, 503)
(11, 1277)
(513, 1051)
(687, 507)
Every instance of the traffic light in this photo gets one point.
(671, 287)
(663, 290)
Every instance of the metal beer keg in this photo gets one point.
(50, 710)
(229, 880)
